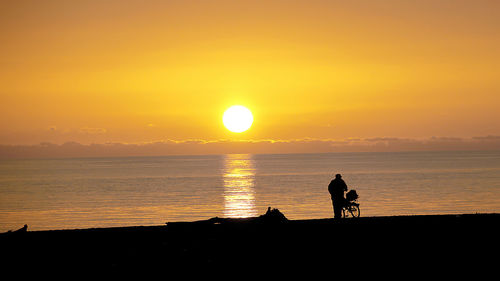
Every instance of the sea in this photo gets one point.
(79, 193)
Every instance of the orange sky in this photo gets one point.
(144, 71)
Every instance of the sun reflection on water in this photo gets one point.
(239, 180)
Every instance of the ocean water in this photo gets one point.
(108, 192)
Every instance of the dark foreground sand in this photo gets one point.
(454, 243)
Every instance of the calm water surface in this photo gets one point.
(105, 192)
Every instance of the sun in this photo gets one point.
(237, 118)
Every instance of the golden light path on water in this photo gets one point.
(239, 191)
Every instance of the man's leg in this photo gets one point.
(337, 209)
(333, 205)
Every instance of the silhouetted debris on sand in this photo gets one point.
(389, 243)
(22, 229)
(272, 216)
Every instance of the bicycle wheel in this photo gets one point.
(354, 211)
(346, 212)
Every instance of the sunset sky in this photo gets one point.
(136, 72)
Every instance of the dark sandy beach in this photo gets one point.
(416, 242)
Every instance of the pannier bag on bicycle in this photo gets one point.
(351, 195)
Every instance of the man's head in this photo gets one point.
(338, 176)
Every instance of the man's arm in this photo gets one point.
(330, 187)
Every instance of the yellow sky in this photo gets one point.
(143, 71)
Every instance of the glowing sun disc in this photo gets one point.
(237, 119)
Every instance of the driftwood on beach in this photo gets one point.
(272, 216)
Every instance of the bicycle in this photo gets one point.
(351, 206)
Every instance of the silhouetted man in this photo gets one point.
(337, 187)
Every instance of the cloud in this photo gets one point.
(224, 146)
(487, 138)
(92, 131)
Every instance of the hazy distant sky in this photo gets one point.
(144, 71)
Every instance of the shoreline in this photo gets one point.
(245, 219)
(232, 242)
